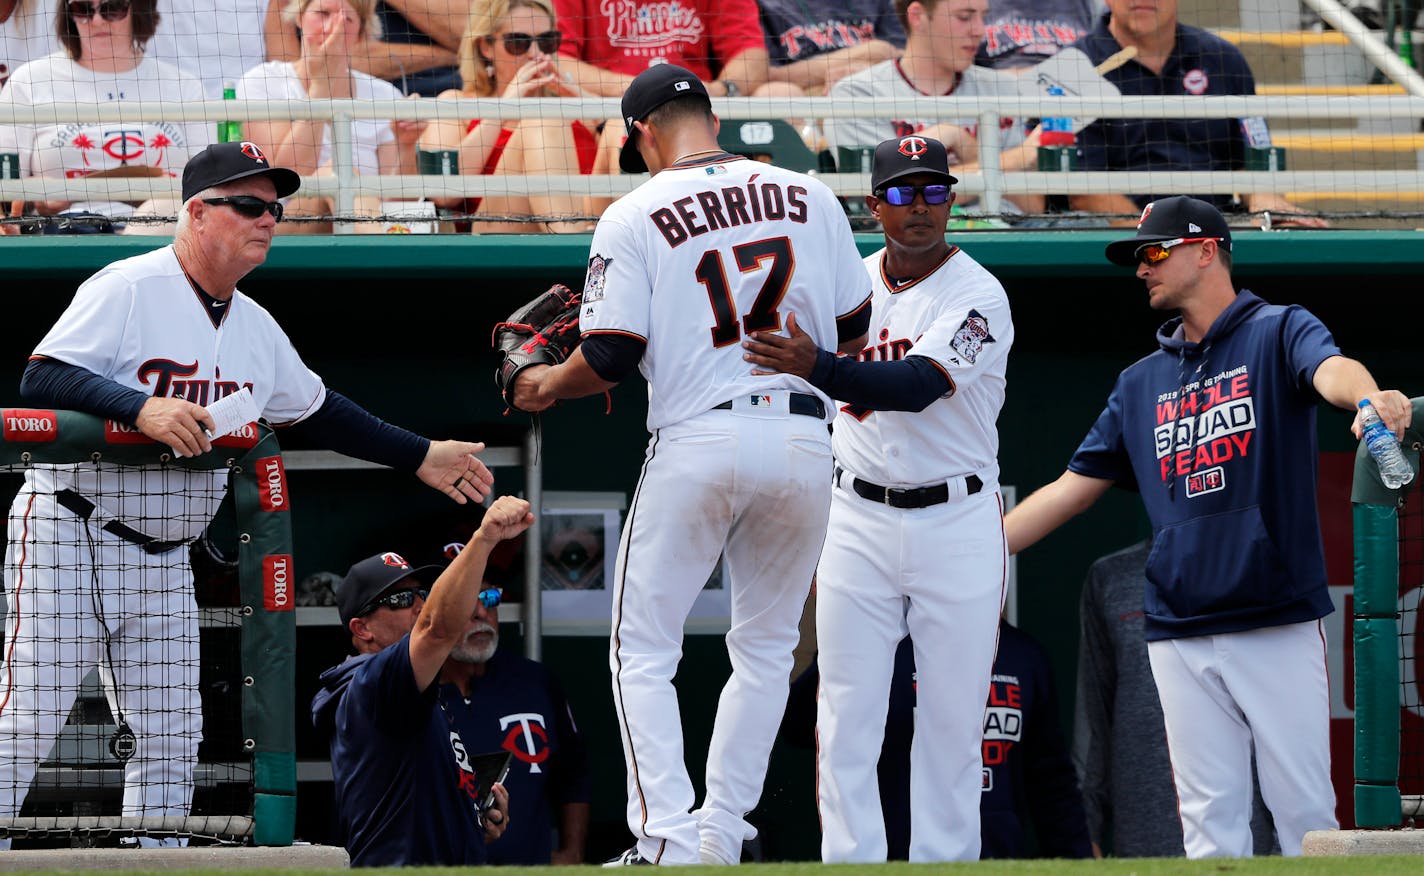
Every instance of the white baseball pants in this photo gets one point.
(938, 574)
(67, 582)
(752, 483)
(1220, 695)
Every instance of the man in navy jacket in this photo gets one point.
(1216, 430)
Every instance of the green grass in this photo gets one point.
(1375, 865)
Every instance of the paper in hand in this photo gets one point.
(232, 412)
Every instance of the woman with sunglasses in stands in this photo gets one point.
(510, 50)
(330, 32)
(102, 61)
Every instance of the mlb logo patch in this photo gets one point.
(761, 401)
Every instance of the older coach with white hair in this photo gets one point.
(93, 568)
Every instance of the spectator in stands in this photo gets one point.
(26, 34)
(1119, 739)
(1172, 59)
(812, 44)
(1030, 788)
(1021, 33)
(102, 62)
(942, 38)
(98, 547)
(510, 50)
(215, 40)
(606, 44)
(414, 48)
(399, 747)
(330, 32)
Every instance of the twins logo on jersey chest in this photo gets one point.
(526, 738)
(171, 380)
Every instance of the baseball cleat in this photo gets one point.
(630, 858)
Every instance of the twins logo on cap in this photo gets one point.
(1146, 211)
(913, 147)
(393, 559)
(253, 151)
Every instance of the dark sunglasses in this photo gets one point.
(109, 10)
(394, 601)
(518, 43)
(1155, 253)
(491, 597)
(250, 206)
(904, 196)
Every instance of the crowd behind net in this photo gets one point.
(516, 127)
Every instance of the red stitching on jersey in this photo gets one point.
(15, 604)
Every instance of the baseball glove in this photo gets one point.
(543, 332)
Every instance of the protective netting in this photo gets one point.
(1278, 114)
(121, 685)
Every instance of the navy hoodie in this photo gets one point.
(405, 792)
(1219, 438)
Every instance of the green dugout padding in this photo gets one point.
(268, 588)
(1009, 254)
(1376, 634)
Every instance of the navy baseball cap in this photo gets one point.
(905, 156)
(651, 89)
(227, 162)
(373, 576)
(1171, 219)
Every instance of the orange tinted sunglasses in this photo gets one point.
(1155, 253)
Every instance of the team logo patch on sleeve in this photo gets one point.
(596, 279)
(971, 337)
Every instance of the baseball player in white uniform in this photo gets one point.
(93, 569)
(915, 543)
(738, 465)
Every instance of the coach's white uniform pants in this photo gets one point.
(755, 485)
(1222, 693)
(67, 582)
(938, 574)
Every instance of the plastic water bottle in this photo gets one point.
(1394, 468)
(1057, 130)
(229, 131)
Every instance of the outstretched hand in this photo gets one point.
(792, 353)
(453, 468)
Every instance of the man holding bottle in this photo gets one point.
(1217, 431)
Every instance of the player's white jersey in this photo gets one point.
(700, 255)
(958, 316)
(139, 323)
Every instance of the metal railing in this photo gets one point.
(990, 182)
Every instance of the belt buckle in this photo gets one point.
(886, 500)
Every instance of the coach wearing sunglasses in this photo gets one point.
(917, 481)
(102, 63)
(150, 342)
(510, 50)
(405, 791)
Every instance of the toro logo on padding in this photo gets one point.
(271, 484)
(122, 433)
(277, 583)
(22, 424)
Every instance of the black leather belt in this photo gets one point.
(915, 497)
(83, 508)
(800, 403)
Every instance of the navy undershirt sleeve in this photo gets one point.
(613, 356)
(344, 426)
(853, 324)
(50, 383)
(911, 384)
